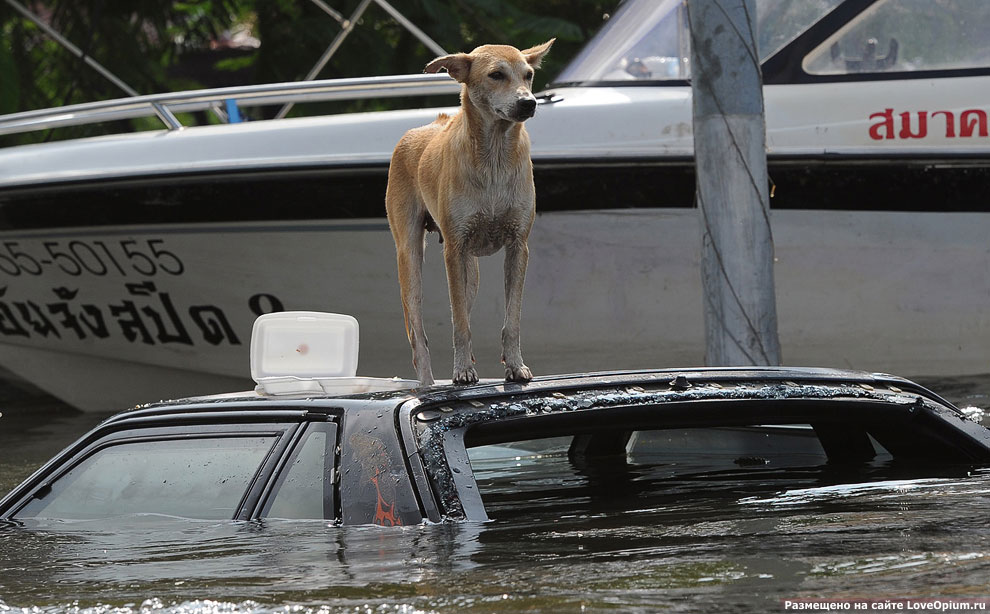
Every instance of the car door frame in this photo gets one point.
(285, 432)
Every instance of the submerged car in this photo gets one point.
(313, 441)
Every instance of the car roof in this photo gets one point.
(731, 381)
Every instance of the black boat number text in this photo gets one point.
(145, 257)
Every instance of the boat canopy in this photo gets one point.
(647, 41)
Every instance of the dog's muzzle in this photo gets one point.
(525, 108)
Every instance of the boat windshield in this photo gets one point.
(647, 40)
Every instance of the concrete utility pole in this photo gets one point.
(732, 194)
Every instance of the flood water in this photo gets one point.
(712, 537)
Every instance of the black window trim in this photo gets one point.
(423, 487)
(331, 494)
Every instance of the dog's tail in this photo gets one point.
(442, 119)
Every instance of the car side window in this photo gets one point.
(305, 486)
(191, 477)
(905, 36)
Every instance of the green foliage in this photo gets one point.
(166, 45)
(9, 86)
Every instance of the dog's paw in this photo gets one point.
(518, 374)
(467, 375)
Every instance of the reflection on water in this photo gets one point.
(705, 536)
(273, 562)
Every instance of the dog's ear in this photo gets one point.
(458, 65)
(534, 55)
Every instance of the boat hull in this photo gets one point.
(159, 310)
(132, 265)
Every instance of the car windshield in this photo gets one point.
(523, 479)
(648, 40)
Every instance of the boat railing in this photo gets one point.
(225, 102)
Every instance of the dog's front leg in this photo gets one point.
(462, 281)
(516, 260)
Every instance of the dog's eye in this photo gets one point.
(529, 76)
(496, 76)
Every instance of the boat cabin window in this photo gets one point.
(648, 40)
(907, 35)
(191, 477)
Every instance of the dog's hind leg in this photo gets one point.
(406, 218)
(410, 265)
(516, 261)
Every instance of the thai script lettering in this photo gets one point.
(145, 315)
(965, 124)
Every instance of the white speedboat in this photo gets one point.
(132, 266)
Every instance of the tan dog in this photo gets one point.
(470, 177)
